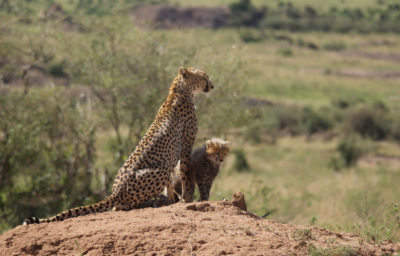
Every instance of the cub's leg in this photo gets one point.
(204, 189)
(190, 191)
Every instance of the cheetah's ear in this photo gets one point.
(184, 72)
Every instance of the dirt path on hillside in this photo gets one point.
(208, 228)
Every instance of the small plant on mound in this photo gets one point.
(337, 251)
(302, 234)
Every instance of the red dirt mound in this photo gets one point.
(207, 228)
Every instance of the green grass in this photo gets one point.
(292, 180)
(302, 77)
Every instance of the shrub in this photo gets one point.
(250, 36)
(240, 163)
(58, 69)
(370, 122)
(396, 131)
(316, 121)
(244, 13)
(286, 52)
(349, 152)
(335, 46)
(46, 149)
(288, 118)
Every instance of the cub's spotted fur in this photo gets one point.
(169, 139)
(203, 168)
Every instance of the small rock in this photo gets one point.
(238, 201)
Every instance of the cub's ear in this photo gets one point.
(184, 72)
(227, 144)
(209, 144)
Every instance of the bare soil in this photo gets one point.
(394, 57)
(359, 73)
(207, 228)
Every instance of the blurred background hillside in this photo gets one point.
(307, 91)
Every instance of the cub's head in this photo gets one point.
(196, 80)
(216, 150)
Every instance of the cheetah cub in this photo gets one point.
(203, 168)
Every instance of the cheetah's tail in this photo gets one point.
(101, 206)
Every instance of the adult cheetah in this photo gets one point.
(169, 139)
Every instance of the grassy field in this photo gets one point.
(293, 181)
(292, 176)
(325, 5)
(306, 76)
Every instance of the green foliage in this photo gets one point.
(285, 52)
(240, 161)
(136, 68)
(396, 130)
(47, 149)
(251, 36)
(316, 121)
(58, 69)
(396, 214)
(335, 46)
(378, 220)
(372, 122)
(288, 16)
(244, 13)
(349, 152)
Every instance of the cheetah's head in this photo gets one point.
(216, 150)
(197, 80)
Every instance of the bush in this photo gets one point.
(244, 13)
(286, 52)
(288, 118)
(316, 121)
(250, 36)
(58, 69)
(335, 46)
(46, 150)
(371, 122)
(240, 163)
(349, 153)
(396, 131)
